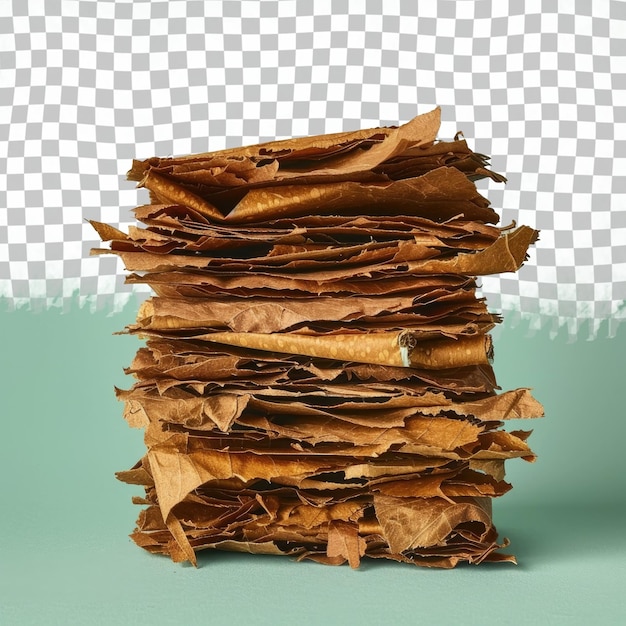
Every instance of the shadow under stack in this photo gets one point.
(316, 380)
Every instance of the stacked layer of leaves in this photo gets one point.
(316, 379)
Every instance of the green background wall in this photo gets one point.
(65, 557)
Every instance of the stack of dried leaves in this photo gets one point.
(316, 379)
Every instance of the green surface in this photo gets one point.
(65, 557)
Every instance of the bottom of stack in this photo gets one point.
(331, 472)
(323, 526)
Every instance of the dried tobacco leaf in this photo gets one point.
(316, 380)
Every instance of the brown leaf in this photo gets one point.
(344, 541)
(390, 142)
(505, 255)
(262, 315)
(168, 191)
(409, 523)
(441, 193)
(385, 348)
(514, 404)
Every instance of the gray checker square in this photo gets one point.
(86, 86)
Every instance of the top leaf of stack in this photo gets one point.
(387, 170)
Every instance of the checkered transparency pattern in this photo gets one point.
(85, 86)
